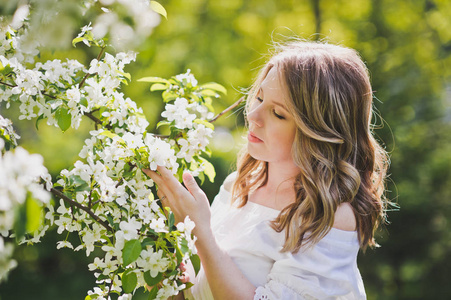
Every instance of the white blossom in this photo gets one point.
(130, 228)
(64, 244)
(152, 261)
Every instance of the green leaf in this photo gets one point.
(129, 281)
(147, 242)
(153, 293)
(84, 101)
(131, 251)
(207, 151)
(158, 87)
(63, 117)
(169, 96)
(76, 179)
(108, 134)
(215, 86)
(34, 215)
(184, 246)
(151, 281)
(80, 184)
(171, 220)
(39, 119)
(82, 187)
(195, 260)
(201, 177)
(209, 169)
(151, 197)
(126, 75)
(193, 165)
(205, 123)
(157, 7)
(178, 254)
(208, 103)
(77, 40)
(208, 93)
(188, 285)
(20, 222)
(163, 123)
(154, 79)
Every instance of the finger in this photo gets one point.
(184, 278)
(169, 179)
(163, 198)
(192, 186)
(153, 175)
(182, 266)
(160, 182)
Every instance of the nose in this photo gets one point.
(254, 115)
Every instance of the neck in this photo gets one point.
(281, 176)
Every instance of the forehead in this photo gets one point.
(273, 87)
(271, 81)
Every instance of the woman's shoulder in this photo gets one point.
(345, 218)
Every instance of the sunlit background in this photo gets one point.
(407, 47)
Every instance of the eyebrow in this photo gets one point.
(275, 102)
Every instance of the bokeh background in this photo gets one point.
(406, 45)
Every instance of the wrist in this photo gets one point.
(205, 239)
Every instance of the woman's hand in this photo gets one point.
(190, 201)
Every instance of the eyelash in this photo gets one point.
(273, 111)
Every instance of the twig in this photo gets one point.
(82, 82)
(88, 114)
(82, 207)
(228, 109)
(13, 86)
(92, 117)
(7, 84)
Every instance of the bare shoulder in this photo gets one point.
(345, 218)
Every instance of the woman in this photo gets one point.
(308, 191)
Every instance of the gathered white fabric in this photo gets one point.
(327, 270)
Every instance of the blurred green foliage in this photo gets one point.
(407, 47)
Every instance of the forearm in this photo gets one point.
(224, 277)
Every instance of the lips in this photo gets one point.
(253, 138)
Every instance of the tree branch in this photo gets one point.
(13, 86)
(7, 84)
(82, 82)
(228, 109)
(82, 207)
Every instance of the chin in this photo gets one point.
(255, 154)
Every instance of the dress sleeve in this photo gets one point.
(327, 270)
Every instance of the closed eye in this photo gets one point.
(277, 115)
(259, 99)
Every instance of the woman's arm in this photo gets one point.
(225, 279)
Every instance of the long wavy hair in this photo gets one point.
(331, 101)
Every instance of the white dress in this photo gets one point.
(326, 271)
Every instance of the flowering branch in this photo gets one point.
(106, 188)
(87, 210)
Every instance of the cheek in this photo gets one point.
(284, 139)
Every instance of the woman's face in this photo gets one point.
(271, 127)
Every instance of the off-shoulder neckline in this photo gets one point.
(337, 232)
